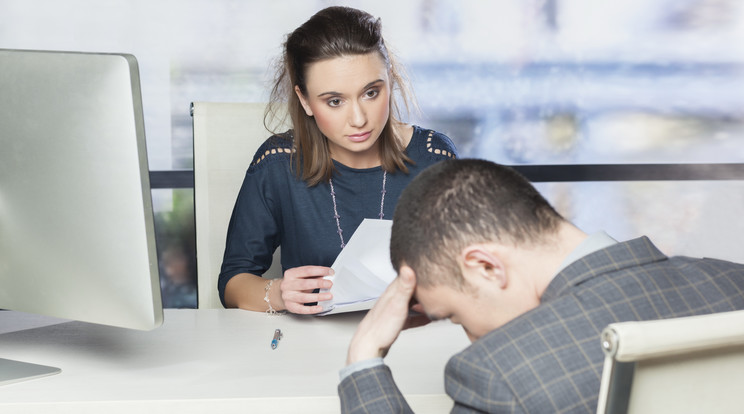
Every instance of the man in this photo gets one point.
(474, 242)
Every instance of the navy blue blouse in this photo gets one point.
(274, 207)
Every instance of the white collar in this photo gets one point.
(595, 241)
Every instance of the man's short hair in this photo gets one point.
(456, 203)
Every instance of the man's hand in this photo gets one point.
(382, 324)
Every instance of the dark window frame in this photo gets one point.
(552, 173)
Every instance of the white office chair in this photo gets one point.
(226, 136)
(683, 365)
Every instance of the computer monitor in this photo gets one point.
(76, 223)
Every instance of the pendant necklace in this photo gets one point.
(335, 210)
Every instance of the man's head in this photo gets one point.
(461, 226)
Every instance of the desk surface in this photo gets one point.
(212, 359)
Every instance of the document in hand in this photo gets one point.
(362, 269)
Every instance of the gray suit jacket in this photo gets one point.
(549, 360)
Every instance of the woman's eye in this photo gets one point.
(334, 102)
(372, 93)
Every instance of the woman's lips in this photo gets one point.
(360, 137)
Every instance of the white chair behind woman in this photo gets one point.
(226, 136)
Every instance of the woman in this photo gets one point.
(348, 157)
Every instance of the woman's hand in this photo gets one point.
(298, 284)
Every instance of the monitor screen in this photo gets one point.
(76, 222)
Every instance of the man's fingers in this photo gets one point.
(404, 285)
(407, 277)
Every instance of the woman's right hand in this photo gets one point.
(298, 285)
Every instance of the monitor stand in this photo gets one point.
(16, 371)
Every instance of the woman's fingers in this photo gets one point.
(301, 309)
(308, 271)
(307, 284)
(298, 287)
(305, 297)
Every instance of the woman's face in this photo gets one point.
(349, 97)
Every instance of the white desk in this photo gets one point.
(211, 361)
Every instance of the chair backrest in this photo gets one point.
(226, 136)
(682, 365)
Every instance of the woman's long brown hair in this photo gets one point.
(333, 32)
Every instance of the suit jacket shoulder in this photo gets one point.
(550, 359)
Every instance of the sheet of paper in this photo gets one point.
(362, 270)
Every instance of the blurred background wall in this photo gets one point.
(520, 82)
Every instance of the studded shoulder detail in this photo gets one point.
(438, 151)
(271, 151)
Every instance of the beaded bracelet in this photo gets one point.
(267, 288)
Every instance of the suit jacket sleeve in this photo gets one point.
(474, 389)
(477, 389)
(372, 390)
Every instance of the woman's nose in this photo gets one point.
(357, 118)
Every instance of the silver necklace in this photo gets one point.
(335, 210)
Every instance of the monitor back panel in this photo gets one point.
(76, 225)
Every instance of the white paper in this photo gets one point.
(362, 270)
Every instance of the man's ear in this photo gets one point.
(480, 261)
(303, 101)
